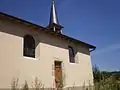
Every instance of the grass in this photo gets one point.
(106, 84)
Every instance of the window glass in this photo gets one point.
(29, 46)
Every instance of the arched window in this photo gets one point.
(29, 46)
(71, 54)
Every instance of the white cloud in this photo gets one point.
(108, 49)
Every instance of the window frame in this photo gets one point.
(72, 54)
(29, 46)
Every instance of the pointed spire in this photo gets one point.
(53, 14)
(54, 23)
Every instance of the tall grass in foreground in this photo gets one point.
(106, 84)
(36, 85)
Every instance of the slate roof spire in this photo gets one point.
(54, 23)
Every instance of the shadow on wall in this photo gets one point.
(20, 29)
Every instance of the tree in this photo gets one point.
(96, 74)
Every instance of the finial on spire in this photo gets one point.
(53, 23)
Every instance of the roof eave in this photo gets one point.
(44, 29)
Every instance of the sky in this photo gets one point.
(96, 22)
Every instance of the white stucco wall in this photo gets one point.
(48, 49)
